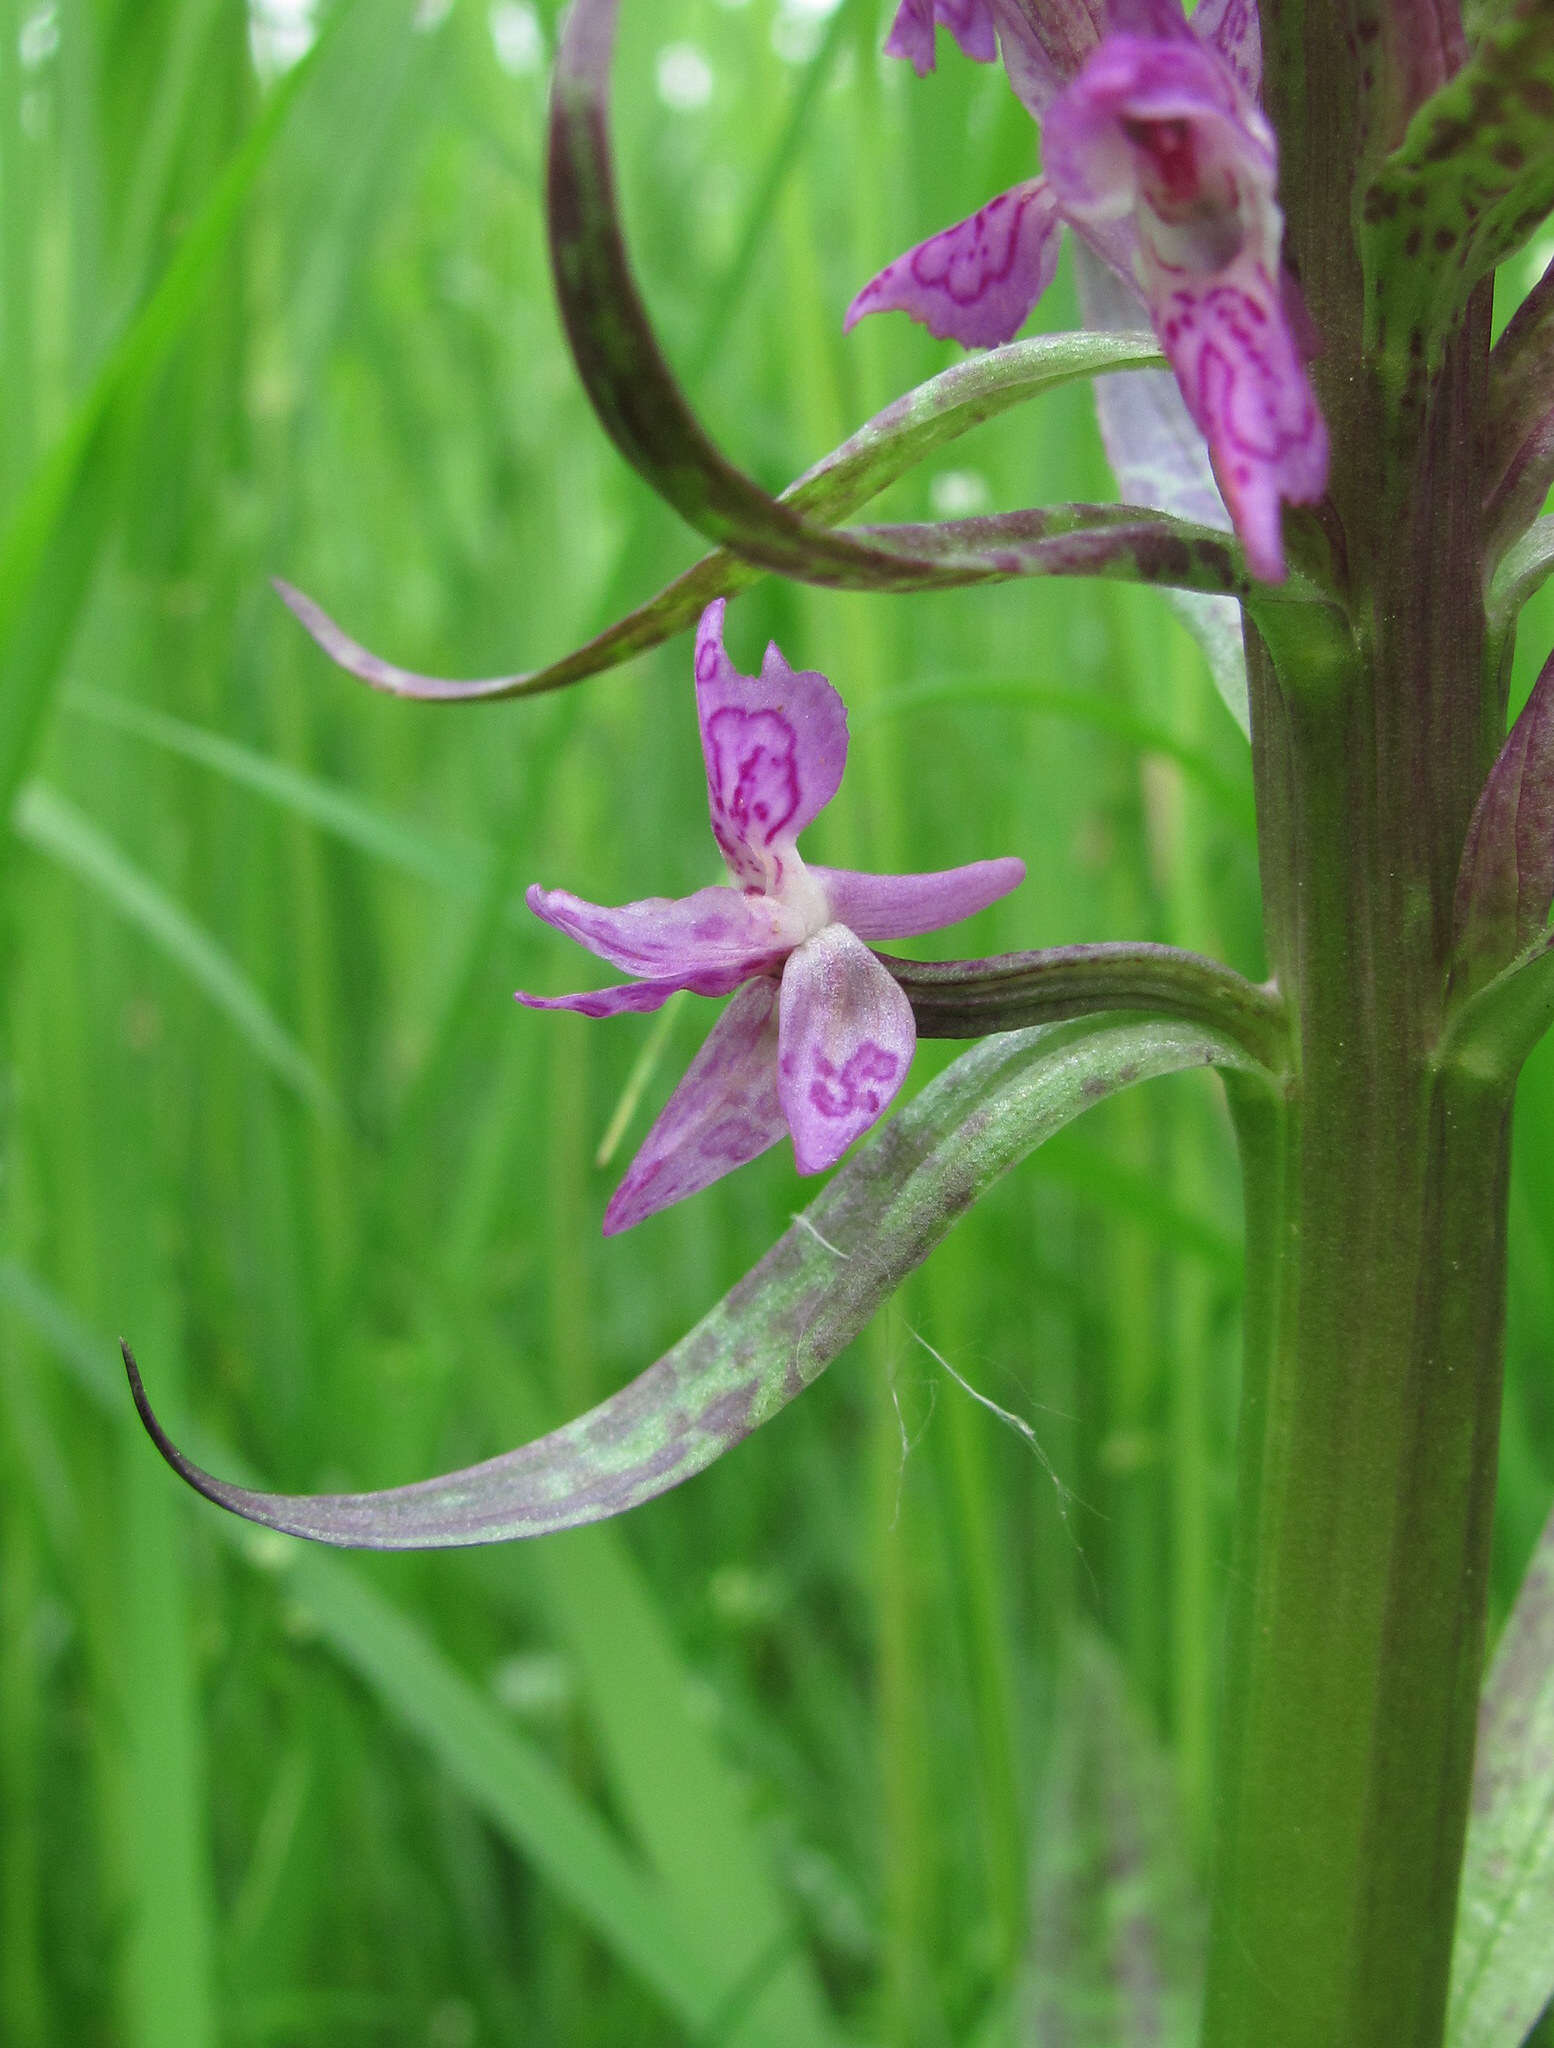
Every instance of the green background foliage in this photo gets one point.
(901, 1702)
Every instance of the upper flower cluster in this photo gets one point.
(1157, 153)
(818, 1038)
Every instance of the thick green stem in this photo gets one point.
(1376, 1184)
(1368, 1465)
(1376, 1250)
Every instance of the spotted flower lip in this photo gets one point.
(1156, 151)
(818, 1037)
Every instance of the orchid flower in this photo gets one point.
(818, 1037)
(1158, 154)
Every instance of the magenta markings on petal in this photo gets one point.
(774, 747)
(1238, 369)
(1164, 126)
(974, 283)
(824, 1058)
(716, 928)
(846, 1041)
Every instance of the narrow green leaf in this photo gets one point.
(460, 868)
(781, 1327)
(49, 548)
(1525, 568)
(1503, 1959)
(46, 821)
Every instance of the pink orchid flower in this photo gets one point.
(818, 1037)
(1157, 153)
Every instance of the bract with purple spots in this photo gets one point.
(818, 1037)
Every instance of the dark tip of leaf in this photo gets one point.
(184, 1466)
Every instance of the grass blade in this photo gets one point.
(46, 821)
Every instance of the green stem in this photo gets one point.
(1376, 1273)
(1377, 1195)
(1376, 1183)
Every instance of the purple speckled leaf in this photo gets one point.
(847, 1039)
(662, 936)
(912, 32)
(976, 282)
(900, 906)
(1505, 882)
(780, 1327)
(775, 746)
(1502, 1967)
(724, 1113)
(1471, 181)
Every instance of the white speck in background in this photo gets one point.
(799, 26)
(517, 37)
(38, 37)
(959, 493)
(280, 34)
(685, 78)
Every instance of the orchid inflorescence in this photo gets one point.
(1324, 345)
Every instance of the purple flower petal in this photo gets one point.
(1242, 378)
(725, 1112)
(635, 998)
(976, 282)
(1161, 126)
(670, 937)
(775, 746)
(899, 906)
(1232, 27)
(846, 1039)
(969, 21)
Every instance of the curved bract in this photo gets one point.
(781, 1326)
(646, 415)
(884, 448)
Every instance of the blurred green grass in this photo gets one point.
(804, 1751)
